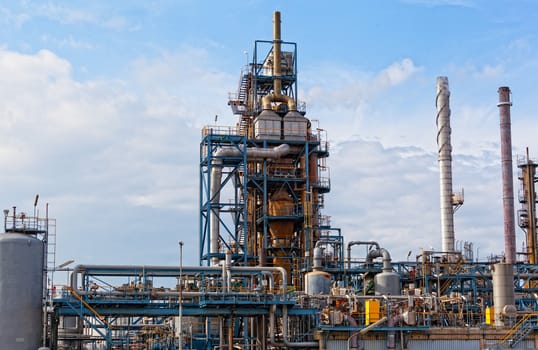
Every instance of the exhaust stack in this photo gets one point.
(277, 96)
(507, 175)
(445, 164)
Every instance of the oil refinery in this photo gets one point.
(273, 272)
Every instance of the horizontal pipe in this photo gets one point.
(163, 271)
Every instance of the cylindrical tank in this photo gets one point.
(295, 126)
(317, 282)
(387, 283)
(503, 290)
(268, 125)
(281, 204)
(21, 279)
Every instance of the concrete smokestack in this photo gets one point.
(445, 164)
(507, 175)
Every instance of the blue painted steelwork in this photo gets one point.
(262, 81)
(233, 180)
(243, 224)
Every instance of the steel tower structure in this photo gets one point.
(527, 197)
(271, 165)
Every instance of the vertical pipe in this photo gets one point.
(503, 290)
(507, 176)
(445, 164)
(230, 333)
(277, 48)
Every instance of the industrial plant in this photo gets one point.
(273, 272)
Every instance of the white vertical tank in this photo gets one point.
(21, 279)
(503, 291)
(317, 281)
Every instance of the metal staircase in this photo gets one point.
(519, 331)
(82, 308)
(243, 86)
(238, 101)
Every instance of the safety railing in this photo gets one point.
(284, 210)
(219, 130)
(519, 331)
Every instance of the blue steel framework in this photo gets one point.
(95, 298)
(262, 83)
(247, 236)
(461, 288)
(102, 304)
(231, 234)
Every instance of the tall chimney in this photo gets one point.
(507, 176)
(445, 164)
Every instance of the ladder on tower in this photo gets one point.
(51, 244)
(308, 211)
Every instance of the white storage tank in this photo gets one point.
(21, 286)
(317, 282)
(503, 291)
(387, 283)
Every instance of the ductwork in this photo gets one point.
(507, 175)
(381, 252)
(253, 154)
(352, 243)
(445, 164)
(318, 252)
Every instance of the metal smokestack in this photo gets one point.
(508, 182)
(445, 164)
(277, 52)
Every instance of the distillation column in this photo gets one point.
(507, 175)
(527, 214)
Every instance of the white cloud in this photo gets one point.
(64, 14)
(68, 41)
(351, 103)
(390, 195)
(114, 148)
(93, 15)
(489, 71)
(9, 18)
(483, 71)
(395, 74)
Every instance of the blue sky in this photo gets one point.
(103, 102)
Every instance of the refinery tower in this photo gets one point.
(273, 273)
(263, 181)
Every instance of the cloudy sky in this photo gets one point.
(102, 104)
